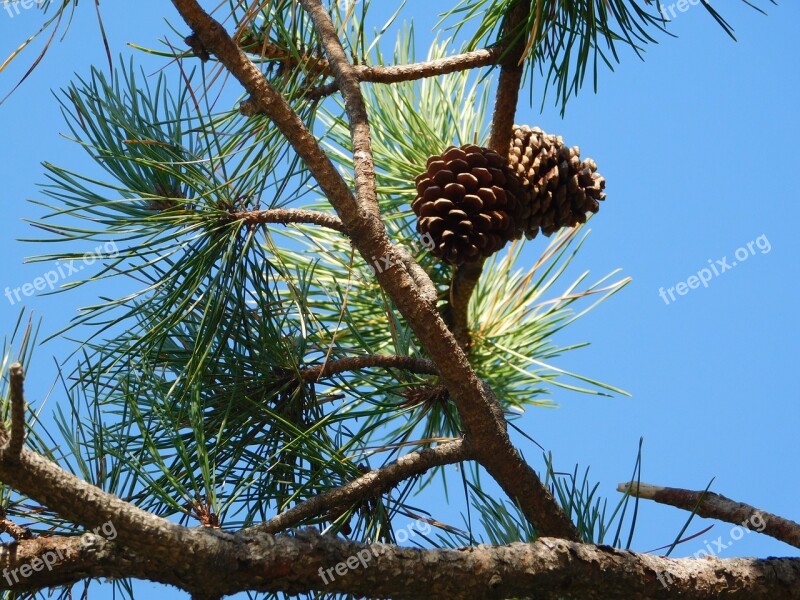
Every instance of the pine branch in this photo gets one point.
(464, 282)
(418, 70)
(369, 485)
(346, 78)
(505, 108)
(510, 81)
(11, 443)
(304, 562)
(715, 506)
(480, 412)
(355, 363)
(18, 532)
(290, 215)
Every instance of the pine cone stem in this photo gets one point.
(461, 287)
(511, 72)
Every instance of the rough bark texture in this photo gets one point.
(306, 561)
(716, 506)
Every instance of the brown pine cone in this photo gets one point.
(468, 204)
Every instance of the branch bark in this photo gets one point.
(290, 215)
(355, 363)
(716, 506)
(347, 80)
(508, 86)
(505, 108)
(11, 442)
(370, 484)
(305, 561)
(418, 70)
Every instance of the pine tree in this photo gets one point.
(327, 312)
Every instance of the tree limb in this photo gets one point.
(505, 108)
(355, 363)
(11, 443)
(715, 506)
(511, 72)
(290, 215)
(305, 561)
(413, 71)
(368, 485)
(346, 78)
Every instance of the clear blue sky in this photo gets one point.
(697, 144)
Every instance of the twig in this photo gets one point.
(12, 443)
(371, 484)
(464, 282)
(413, 71)
(508, 85)
(18, 532)
(715, 506)
(290, 215)
(355, 363)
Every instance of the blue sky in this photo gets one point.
(697, 144)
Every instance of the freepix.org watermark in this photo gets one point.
(668, 11)
(756, 522)
(362, 557)
(14, 7)
(715, 268)
(63, 270)
(53, 557)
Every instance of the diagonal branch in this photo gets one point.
(481, 416)
(355, 363)
(345, 76)
(370, 484)
(290, 215)
(715, 506)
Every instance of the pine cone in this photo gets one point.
(468, 203)
(560, 189)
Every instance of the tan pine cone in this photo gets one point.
(560, 189)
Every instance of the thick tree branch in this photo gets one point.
(34, 564)
(306, 561)
(139, 531)
(355, 363)
(715, 506)
(290, 215)
(371, 484)
(480, 415)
